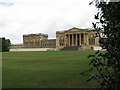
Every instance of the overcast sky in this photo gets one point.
(18, 17)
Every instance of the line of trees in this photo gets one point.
(4, 44)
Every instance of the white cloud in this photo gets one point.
(43, 16)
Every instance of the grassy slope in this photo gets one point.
(53, 69)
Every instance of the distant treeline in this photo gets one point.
(4, 44)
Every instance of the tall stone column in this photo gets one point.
(72, 39)
(80, 39)
(68, 39)
(87, 41)
(84, 38)
(76, 39)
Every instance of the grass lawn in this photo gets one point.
(52, 69)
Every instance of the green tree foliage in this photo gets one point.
(105, 66)
(5, 44)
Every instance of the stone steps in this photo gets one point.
(71, 48)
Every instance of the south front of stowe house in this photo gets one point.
(85, 38)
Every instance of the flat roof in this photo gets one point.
(37, 34)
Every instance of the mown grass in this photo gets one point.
(52, 69)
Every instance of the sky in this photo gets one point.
(18, 17)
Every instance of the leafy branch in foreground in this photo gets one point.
(105, 66)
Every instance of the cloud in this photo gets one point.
(43, 16)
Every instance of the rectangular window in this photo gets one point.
(91, 41)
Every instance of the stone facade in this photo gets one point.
(73, 37)
(77, 37)
(16, 46)
(50, 43)
(38, 41)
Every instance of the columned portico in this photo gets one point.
(73, 39)
(78, 37)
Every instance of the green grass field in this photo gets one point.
(52, 69)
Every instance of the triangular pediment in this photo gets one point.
(74, 30)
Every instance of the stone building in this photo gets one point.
(84, 38)
(77, 37)
(38, 41)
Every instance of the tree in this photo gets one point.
(105, 66)
(5, 44)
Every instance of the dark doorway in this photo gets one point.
(78, 43)
(82, 39)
